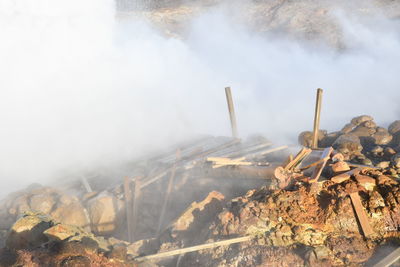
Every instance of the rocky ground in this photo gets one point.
(303, 221)
(312, 20)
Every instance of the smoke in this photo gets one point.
(79, 87)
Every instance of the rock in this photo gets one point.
(61, 232)
(376, 200)
(369, 124)
(348, 145)
(383, 179)
(360, 119)
(73, 213)
(389, 151)
(340, 178)
(368, 182)
(382, 137)
(42, 203)
(383, 164)
(198, 213)
(396, 160)
(337, 156)
(362, 131)
(394, 127)
(347, 128)
(102, 213)
(27, 232)
(340, 166)
(377, 150)
(305, 138)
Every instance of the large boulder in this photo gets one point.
(349, 145)
(103, 213)
(27, 232)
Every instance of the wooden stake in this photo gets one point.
(317, 117)
(361, 215)
(231, 109)
(194, 248)
(168, 193)
(136, 202)
(128, 207)
(389, 259)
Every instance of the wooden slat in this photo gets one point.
(304, 152)
(389, 259)
(194, 248)
(361, 214)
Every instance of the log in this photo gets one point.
(361, 214)
(389, 259)
(194, 248)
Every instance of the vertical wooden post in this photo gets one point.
(128, 207)
(168, 193)
(231, 109)
(136, 200)
(317, 117)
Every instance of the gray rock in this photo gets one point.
(394, 127)
(348, 144)
(396, 160)
(382, 137)
(360, 119)
(102, 213)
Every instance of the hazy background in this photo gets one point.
(79, 86)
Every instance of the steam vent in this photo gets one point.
(121, 144)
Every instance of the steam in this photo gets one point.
(79, 87)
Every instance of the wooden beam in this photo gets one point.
(304, 152)
(389, 259)
(194, 248)
(361, 214)
(317, 117)
(231, 109)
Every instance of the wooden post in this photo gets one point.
(317, 117)
(136, 200)
(168, 193)
(128, 207)
(231, 109)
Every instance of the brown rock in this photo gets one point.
(61, 232)
(340, 178)
(366, 181)
(42, 203)
(73, 214)
(382, 137)
(305, 138)
(340, 166)
(396, 160)
(348, 145)
(383, 164)
(347, 128)
(362, 131)
(102, 213)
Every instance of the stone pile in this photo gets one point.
(363, 141)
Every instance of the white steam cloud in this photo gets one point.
(79, 87)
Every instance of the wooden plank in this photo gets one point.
(389, 259)
(304, 152)
(194, 248)
(86, 184)
(361, 214)
(128, 207)
(318, 170)
(263, 153)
